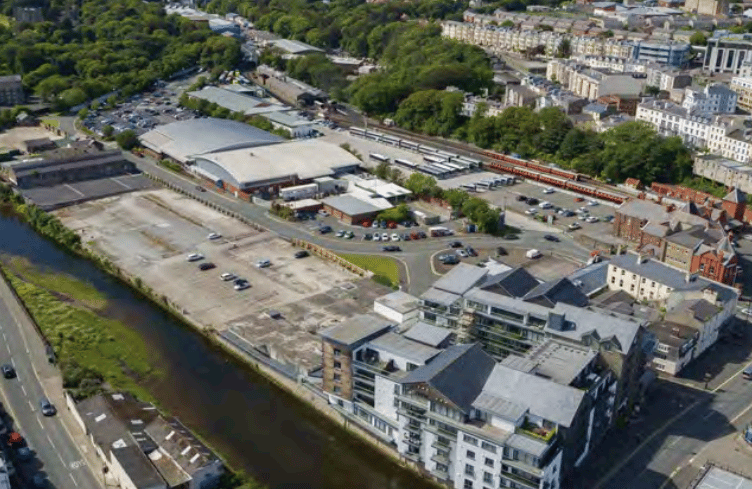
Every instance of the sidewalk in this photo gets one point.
(50, 378)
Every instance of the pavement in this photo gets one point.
(415, 255)
(61, 450)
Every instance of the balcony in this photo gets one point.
(534, 431)
(441, 459)
(440, 430)
(415, 414)
(521, 480)
(441, 445)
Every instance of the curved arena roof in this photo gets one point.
(184, 139)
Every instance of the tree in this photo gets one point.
(420, 184)
(382, 170)
(698, 39)
(565, 49)
(652, 90)
(83, 113)
(107, 131)
(455, 198)
(127, 140)
(507, 23)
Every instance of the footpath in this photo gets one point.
(50, 378)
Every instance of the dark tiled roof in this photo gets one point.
(458, 373)
(138, 468)
(514, 283)
(555, 291)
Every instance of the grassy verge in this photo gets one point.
(94, 352)
(51, 122)
(385, 270)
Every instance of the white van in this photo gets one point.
(533, 254)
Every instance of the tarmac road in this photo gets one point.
(415, 255)
(56, 452)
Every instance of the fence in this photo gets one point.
(331, 256)
(289, 371)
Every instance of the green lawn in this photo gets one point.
(83, 340)
(51, 122)
(379, 265)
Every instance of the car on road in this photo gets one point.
(227, 276)
(521, 198)
(574, 226)
(747, 373)
(455, 244)
(591, 219)
(532, 211)
(301, 254)
(592, 203)
(532, 201)
(549, 190)
(449, 259)
(207, 266)
(395, 237)
(391, 248)
(545, 205)
(8, 371)
(325, 229)
(263, 263)
(349, 235)
(551, 237)
(195, 257)
(340, 233)
(200, 188)
(462, 253)
(47, 408)
(213, 236)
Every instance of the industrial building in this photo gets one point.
(272, 166)
(294, 124)
(180, 141)
(236, 101)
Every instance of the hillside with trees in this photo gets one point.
(109, 45)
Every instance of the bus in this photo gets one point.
(378, 157)
(408, 164)
(470, 187)
(433, 159)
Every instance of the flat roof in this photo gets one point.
(352, 205)
(438, 296)
(428, 334)
(306, 159)
(357, 329)
(399, 301)
(288, 119)
(294, 47)
(406, 348)
(236, 101)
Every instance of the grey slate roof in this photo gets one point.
(583, 321)
(555, 360)
(428, 334)
(350, 205)
(703, 310)
(458, 373)
(357, 329)
(140, 471)
(406, 348)
(592, 278)
(541, 397)
(514, 283)
(439, 296)
(736, 196)
(460, 279)
(554, 291)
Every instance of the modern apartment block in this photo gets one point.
(695, 308)
(505, 40)
(592, 83)
(11, 90)
(742, 85)
(727, 52)
(715, 98)
(723, 170)
(725, 135)
(657, 75)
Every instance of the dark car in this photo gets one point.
(206, 266)
(470, 251)
(301, 254)
(449, 259)
(405, 236)
(521, 198)
(24, 454)
(368, 236)
(200, 188)
(47, 408)
(391, 248)
(455, 244)
(532, 201)
(551, 237)
(325, 229)
(501, 251)
(422, 234)
(8, 371)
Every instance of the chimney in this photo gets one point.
(640, 258)
(710, 295)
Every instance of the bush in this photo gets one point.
(382, 280)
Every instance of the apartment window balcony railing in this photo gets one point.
(441, 459)
(441, 430)
(536, 432)
(412, 414)
(531, 483)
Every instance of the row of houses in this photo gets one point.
(505, 381)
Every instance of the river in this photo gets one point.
(260, 428)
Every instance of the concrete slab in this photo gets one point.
(57, 196)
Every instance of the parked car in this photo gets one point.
(241, 284)
(395, 237)
(422, 234)
(200, 188)
(384, 237)
(195, 257)
(405, 236)
(532, 211)
(227, 276)
(24, 454)
(501, 251)
(470, 251)
(377, 237)
(340, 233)
(349, 235)
(8, 371)
(592, 203)
(368, 236)
(574, 226)
(301, 254)
(206, 266)
(549, 190)
(747, 373)
(462, 253)
(455, 244)
(545, 205)
(521, 198)
(47, 408)
(591, 219)
(532, 201)
(551, 237)
(323, 213)
(325, 229)
(213, 236)
(263, 263)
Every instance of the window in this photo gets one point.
(469, 470)
(337, 389)
(489, 462)
(652, 284)
(613, 280)
(621, 283)
(487, 478)
(337, 352)
(337, 364)
(631, 288)
(337, 377)
(396, 389)
(468, 484)
(469, 439)
(471, 455)
(488, 446)
(396, 403)
(622, 272)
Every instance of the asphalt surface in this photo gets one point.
(55, 452)
(415, 255)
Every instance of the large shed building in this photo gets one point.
(181, 141)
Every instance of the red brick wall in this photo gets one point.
(713, 267)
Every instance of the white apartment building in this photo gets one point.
(591, 83)
(714, 99)
(742, 85)
(722, 170)
(724, 135)
(661, 76)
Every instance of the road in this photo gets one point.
(56, 452)
(415, 255)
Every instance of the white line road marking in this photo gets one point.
(121, 183)
(51, 442)
(24, 390)
(5, 338)
(736, 418)
(73, 479)
(708, 415)
(732, 377)
(31, 406)
(40, 423)
(13, 362)
(73, 189)
(676, 440)
(8, 347)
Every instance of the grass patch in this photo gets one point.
(381, 266)
(92, 350)
(51, 122)
(66, 285)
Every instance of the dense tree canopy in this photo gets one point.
(114, 45)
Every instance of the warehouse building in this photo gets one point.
(270, 167)
(181, 141)
(236, 100)
(355, 208)
(295, 125)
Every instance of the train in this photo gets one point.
(550, 175)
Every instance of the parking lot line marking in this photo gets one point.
(708, 415)
(73, 479)
(735, 418)
(732, 377)
(120, 183)
(73, 189)
(12, 362)
(23, 389)
(40, 423)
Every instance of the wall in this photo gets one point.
(384, 397)
(344, 370)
